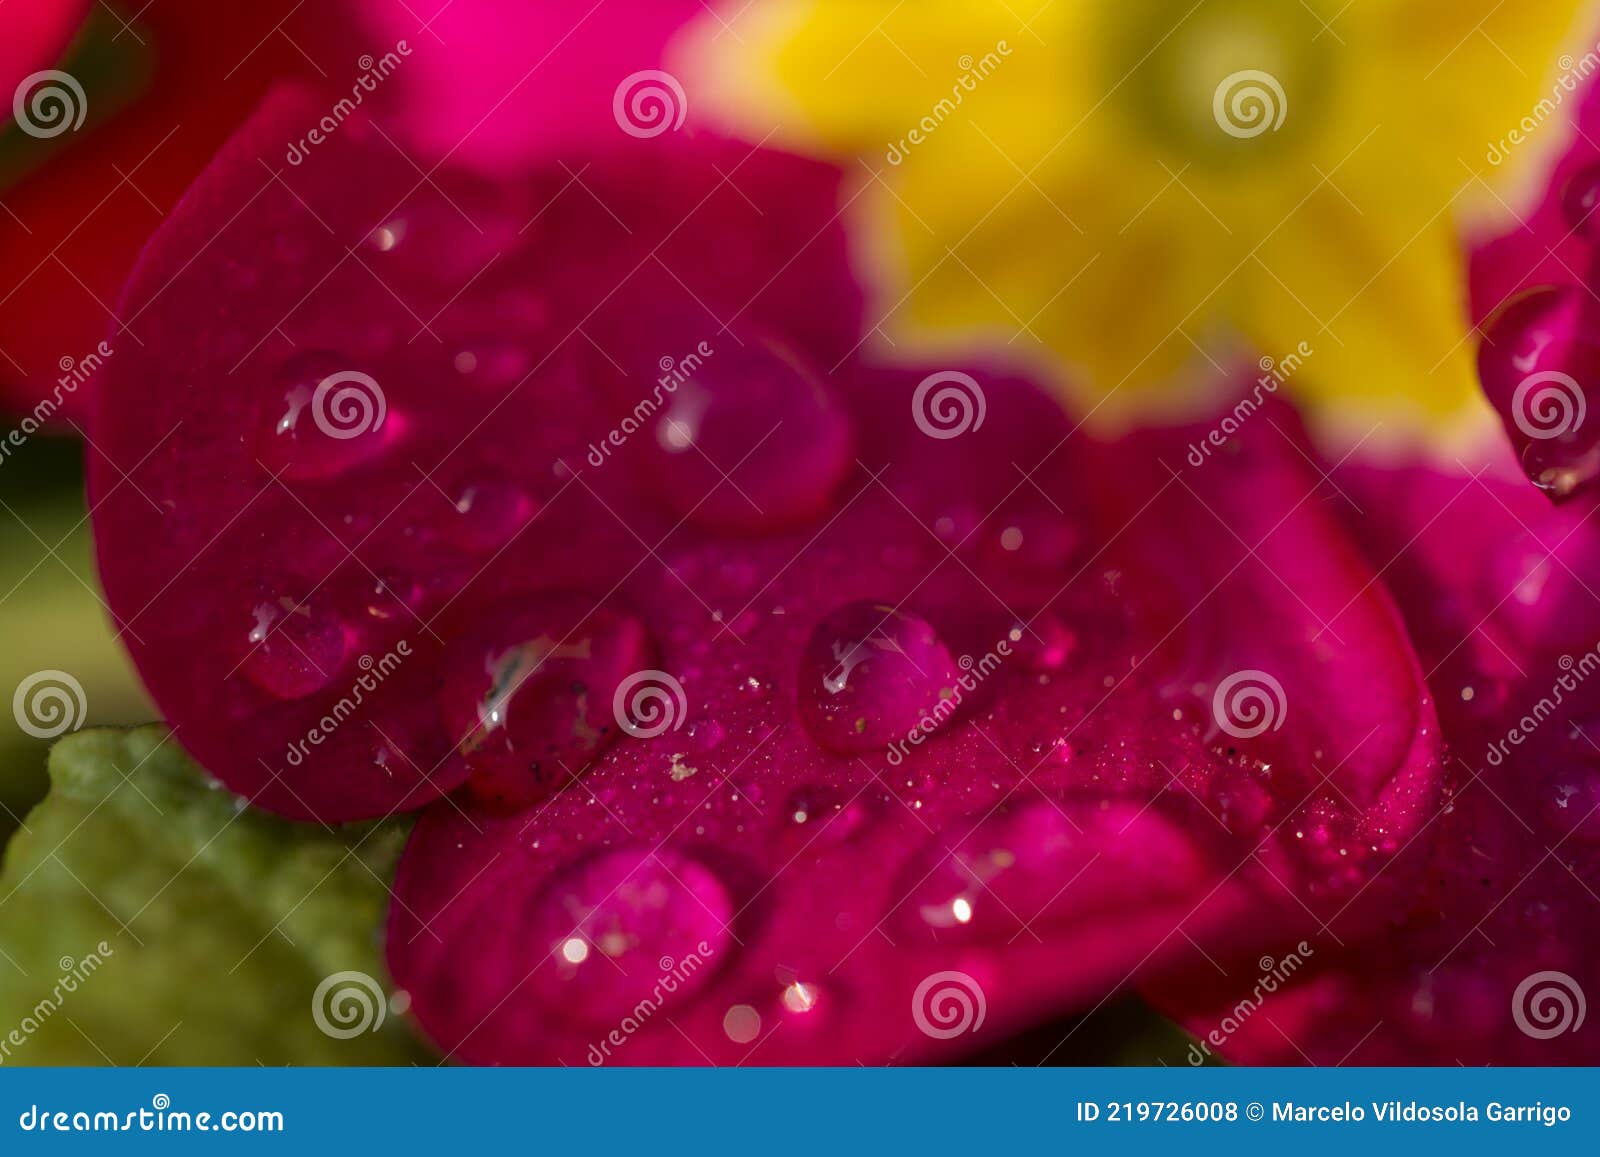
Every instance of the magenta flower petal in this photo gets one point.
(777, 702)
(358, 416)
(1493, 961)
(774, 882)
(500, 84)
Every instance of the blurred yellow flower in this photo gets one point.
(1151, 188)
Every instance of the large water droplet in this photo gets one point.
(527, 693)
(624, 926)
(748, 439)
(324, 416)
(870, 674)
(292, 646)
(1539, 363)
(1044, 865)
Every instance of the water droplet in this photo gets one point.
(487, 514)
(1029, 547)
(818, 815)
(1579, 199)
(435, 239)
(292, 646)
(528, 692)
(1043, 864)
(801, 997)
(1539, 359)
(870, 674)
(1572, 803)
(626, 925)
(1045, 643)
(305, 436)
(491, 363)
(393, 594)
(1458, 1004)
(749, 439)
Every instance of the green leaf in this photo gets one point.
(148, 916)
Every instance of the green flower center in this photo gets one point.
(1232, 83)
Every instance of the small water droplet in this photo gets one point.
(323, 416)
(818, 815)
(871, 673)
(293, 647)
(1572, 803)
(750, 440)
(528, 691)
(618, 925)
(486, 514)
(1045, 643)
